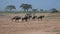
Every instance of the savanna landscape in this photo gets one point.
(50, 24)
(29, 16)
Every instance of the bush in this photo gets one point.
(54, 10)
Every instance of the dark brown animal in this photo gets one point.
(16, 18)
(40, 17)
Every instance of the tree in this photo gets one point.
(10, 7)
(34, 10)
(26, 6)
(54, 10)
(41, 10)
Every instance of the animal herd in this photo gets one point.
(27, 17)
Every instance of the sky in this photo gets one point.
(36, 4)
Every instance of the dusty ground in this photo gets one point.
(49, 25)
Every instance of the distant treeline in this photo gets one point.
(22, 12)
(27, 8)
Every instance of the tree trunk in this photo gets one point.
(26, 11)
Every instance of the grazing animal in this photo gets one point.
(25, 18)
(40, 17)
(34, 17)
(16, 18)
(29, 16)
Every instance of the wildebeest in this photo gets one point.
(40, 17)
(16, 18)
(29, 16)
(34, 17)
(25, 18)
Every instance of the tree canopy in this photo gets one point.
(54, 10)
(10, 7)
(26, 6)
